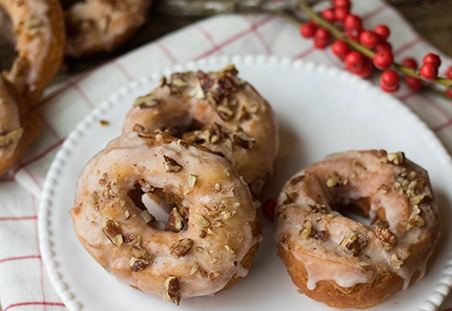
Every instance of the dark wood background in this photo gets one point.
(431, 18)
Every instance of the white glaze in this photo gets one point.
(325, 260)
(221, 251)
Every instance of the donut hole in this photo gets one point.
(7, 41)
(357, 210)
(160, 210)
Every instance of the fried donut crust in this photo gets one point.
(39, 30)
(212, 232)
(18, 130)
(101, 26)
(219, 111)
(40, 37)
(349, 263)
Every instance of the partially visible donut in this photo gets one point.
(347, 263)
(39, 30)
(217, 110)
(212, 233)
(102, 25)
(38, 27)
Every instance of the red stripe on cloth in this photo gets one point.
(122, 70)
(68, 84)
(375, 11)
(20, 258)
(237, 36)
(34, 303)
(305, 53)
(39, 156)
(443, 126)
(208, 36)
(258, 34)
(407, 45)
(167, 52)
(18, 218)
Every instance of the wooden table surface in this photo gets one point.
(431, 18)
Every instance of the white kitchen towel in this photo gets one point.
(24, 284)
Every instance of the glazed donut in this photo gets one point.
(217, 110)
(337, 258)
(100, 26)
(39, 32)
(212, 232)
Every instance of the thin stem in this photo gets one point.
(362, 49)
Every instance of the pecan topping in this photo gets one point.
(202, 221)
(146, 101)
(386, 237)
(333, 180)
(353, 243)
(138, 263)
(396, 262)
(171, 289)
(175, 221)
(171, 165)
(396, 158)
(306, 230)
(416, 219)
(181, 247)
(243, 140)
(113, 232)
(320, 235)
(10, 137)
(146, 216)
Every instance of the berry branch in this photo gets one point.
(363, 50)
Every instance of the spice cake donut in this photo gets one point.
(212, 232)
(217, 110)
(100, 26)
(344, 262)
(38, 27)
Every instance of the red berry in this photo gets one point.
(354, 61)
(340, 48)
(383, 31)
(448, 73)
(366, 70)
(340, 14)
(429, 71)
(307, 30)
(368, 38)
(432, 58)
(321, 38)
(383, 59)
(449, 92)
(268, 209)
(409, 62)
(389, 81)
(354, 34)
(352, 21)
(342, 4)
(328, 14)
(383, 45)
(413, 83)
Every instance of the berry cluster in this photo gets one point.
(365, 50)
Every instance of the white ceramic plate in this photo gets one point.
(321, 110)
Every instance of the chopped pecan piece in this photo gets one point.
(113, 232)
(171, 165)
(175, 221)
(181, 247)
(386, 237)
(171, 290)
(353, 243)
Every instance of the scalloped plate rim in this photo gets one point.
(45, 206)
